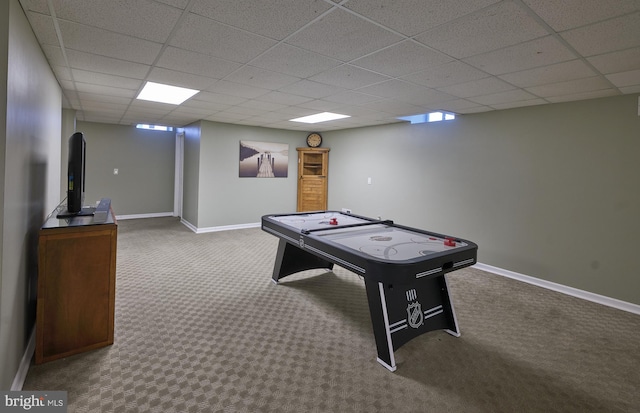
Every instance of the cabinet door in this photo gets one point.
(312, 179)
(75, 293)
(312, 193)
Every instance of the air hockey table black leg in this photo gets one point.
(402, 313)
(380, 321)
(291, 259)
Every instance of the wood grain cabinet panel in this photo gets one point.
(313, 169)
(76, 288)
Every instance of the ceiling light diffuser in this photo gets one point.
(157, 92)
(320, 117)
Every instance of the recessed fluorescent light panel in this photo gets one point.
(320, 117)
(157, 92)
(429, 117)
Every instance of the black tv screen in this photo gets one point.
(76, 173)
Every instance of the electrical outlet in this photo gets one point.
(346, 210)
(115, 171)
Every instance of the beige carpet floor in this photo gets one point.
(200, 327)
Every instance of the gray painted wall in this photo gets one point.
(145, 161)
(30, 177)
(191, 173)
(226, 199)
(68, 128)
(548, 191)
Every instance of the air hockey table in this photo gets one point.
(403, 269)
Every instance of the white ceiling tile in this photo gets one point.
(567, 14)
(630, 90)
(479, 87)
(241, 110)
(261, 105)
(295, 111)
(360, 111)
(620, 61)
(272, 18)
(310, 89)
(43, 28)
(630, 78)
(446, 74)
(343, 36)
(518, 104)
(39, 6)
(573, 69)
(104, 90)
(607, 36)
(457, 105)
(405, 92)
(414, 57)
(237, 89)
(351, 97)
(108, 65)
(283, 98)
(178, 121)
(254, 76)
(297, 57)
(320, 105)
(515, 95)
(62, 73)
(394, 107)
(411, 17)
(528, 55)
(202, 105)
(85, 76)
(68, 88)
(112, 108)
(348, 77)
(294, 61)
(200, 113)
(570, 87)
(140, 18)
(218, 98)
(151, 107)
(175, 78)
(106, 43)
(196, 63)
(495, 27)
(54, 55)
(181, 4)
(97, 116)
(583, 95)
(203, 35)
(93, 97)
(475, 109)
(226, 116)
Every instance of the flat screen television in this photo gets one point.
(76, 178)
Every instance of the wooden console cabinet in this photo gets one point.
(76, 286)
(313, 170)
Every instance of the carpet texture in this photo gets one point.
(200, 327)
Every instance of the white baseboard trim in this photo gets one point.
(23, 368)
(220, 228)
(575, 292)
(138, 216)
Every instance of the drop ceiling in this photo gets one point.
(263, 62)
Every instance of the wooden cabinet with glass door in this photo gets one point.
(313, 169)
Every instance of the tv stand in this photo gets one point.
(84, 212)
(76, 285)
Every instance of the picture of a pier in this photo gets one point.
(264, 159)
